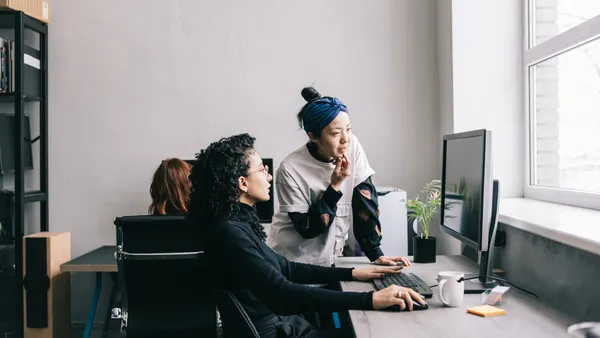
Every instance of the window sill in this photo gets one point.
(577, 227)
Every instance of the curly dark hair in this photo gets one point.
(215, 190)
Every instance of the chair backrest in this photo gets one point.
(163, 279)
(235, 320)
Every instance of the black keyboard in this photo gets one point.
(408, 280)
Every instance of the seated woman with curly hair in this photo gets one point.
(228, 179)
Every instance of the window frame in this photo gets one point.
(534, 54)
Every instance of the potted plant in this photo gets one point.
(422, 211)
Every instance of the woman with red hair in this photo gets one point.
(171, 188)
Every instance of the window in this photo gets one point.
(552, 17)
(562, 77)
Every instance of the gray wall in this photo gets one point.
(134, 82)
(563, 277)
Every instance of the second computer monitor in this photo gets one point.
(467, 185)
(265, 210)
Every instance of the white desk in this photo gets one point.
(525, 315)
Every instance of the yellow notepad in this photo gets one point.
(486, 311)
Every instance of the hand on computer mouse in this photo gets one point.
(365, 274)
(393, 260)
(396, 295)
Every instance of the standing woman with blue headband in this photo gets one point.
(323, 188)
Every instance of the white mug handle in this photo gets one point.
(441, 286)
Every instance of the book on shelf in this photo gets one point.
(4, 66)
(31, 68)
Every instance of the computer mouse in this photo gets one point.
(399, 263)
(416, 307)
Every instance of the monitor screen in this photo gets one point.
(463, 184)
(265, 209)
(7, 144)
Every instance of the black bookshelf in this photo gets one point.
(18, 23)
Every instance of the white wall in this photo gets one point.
(479, 63)
(487, 44)
(133, 82)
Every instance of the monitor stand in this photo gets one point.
(478, 283)
(473, 284)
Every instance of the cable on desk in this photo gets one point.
(518, 287)
(496, 279)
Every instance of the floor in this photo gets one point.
(77, 332)
(96, 332)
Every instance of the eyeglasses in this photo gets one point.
(264, 170)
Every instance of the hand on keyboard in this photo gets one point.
(392, 260)
(365, 274)
(396, 295)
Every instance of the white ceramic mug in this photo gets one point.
(451, 288)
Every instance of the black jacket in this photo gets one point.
(267, 284)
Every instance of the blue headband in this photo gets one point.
(319, 113)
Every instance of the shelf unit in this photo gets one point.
(16, 199)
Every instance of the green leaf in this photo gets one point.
(425, 210)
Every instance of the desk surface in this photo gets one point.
(98, 260)
(525, 315)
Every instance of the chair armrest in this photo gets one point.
(158, 255)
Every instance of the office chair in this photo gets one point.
(235, 320)
(164, 291)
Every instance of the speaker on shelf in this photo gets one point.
(47, 290)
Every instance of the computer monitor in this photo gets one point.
(265, 209)
(7, 144)
(470, 198)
